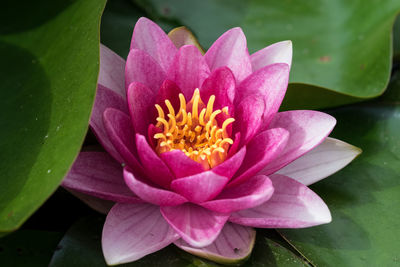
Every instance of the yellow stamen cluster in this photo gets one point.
(196, 133)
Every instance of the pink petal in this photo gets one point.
(149, 37)
(182, 36)
(220, 83)
(293, 205)
(151, 131)
(112, 71)
(200, 187)
(276, 53)
(189, 70)
(233, 244)
(321, 162)
(150, 193)
(248, 117)
(270, 83)
(119, 129)
(263, 149)
(230, 50)
(307, 129)
(235, 146)
(168, 90)
(106, 98)
(99, 175)
(180, 164)
(132, 231)
(155, 168)
(141, 101)
(253, 192)
(98, 204)
(196, 225)
(141, 68)
(229, 167)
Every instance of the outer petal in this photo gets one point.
(234, 244)
(140, 67)
(230, 50)
(249, 115)
(155, 168)
(112, 71)
(196, 225)
(182, 36)
(141, 102)
(119, 129)
(251, 193)
(220, 83)
(151, 193)
(276, 53)
(189, 70)
(106, 98)
(307, 129)
(200, 187)
(180, 164)
(293, 205)
(97, 174)
(263, 149)
(269, 82)
(132, 231)
(149, 37)
(324, 160)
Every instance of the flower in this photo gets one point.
(197, 152)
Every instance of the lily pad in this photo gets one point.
(48, 71)
(341, 48)
(396, 38)
(363, 197)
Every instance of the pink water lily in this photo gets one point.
(197, 152)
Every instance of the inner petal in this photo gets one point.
(195, 130)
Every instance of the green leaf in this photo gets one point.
(48, 71)
(363, 197)
(396, 38)
(81, 246)
(117, 24)
(341, 47)
(23, 249)
(267, 253)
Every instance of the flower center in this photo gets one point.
(196, 133)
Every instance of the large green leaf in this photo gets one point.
(81, 246)
(396, 38)
(364, 197)
(49, 64)
(342, 47)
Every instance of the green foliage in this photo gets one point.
(342, 55)
(48, 71)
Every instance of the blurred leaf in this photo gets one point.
(81, 246)
(396, 38)
(342, 48)
(364, 198)
(117, 24)
(28, 248)
(48, 71)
